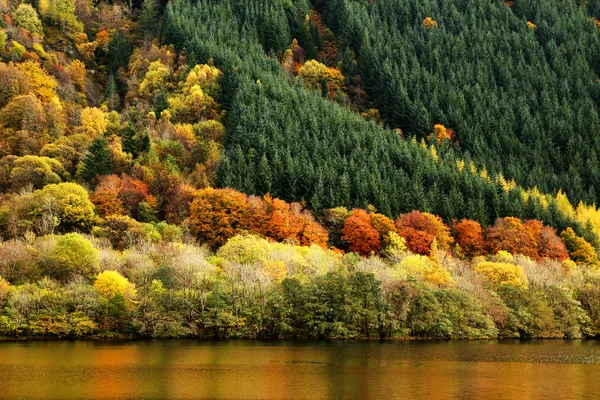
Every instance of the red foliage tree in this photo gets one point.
(421, 229)
(177, 205)
(360, 234)
(133, 192)
(511, 235)
(551, 245)
(470, 238)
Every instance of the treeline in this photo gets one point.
(254, 288)
(515, 80)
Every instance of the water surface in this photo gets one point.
(309, 370)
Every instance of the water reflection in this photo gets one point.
(281, 370)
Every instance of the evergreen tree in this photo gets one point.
(98, 161)
(148, 19)
(130, 141)
(119, 51)
(265, 177)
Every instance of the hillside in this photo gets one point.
(224, 167)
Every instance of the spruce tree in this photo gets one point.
(130, 142)
(149, 16)
(98, 161)
(265, 176)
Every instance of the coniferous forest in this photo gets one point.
(325, 168)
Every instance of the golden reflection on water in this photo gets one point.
(309, 370)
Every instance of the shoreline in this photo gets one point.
(271, 340)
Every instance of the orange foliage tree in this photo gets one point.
(279, 220)
(421, 229)
(133, 192)
(121, 195)
(360, 234)
(281, 225)
(511, 235)
(217, 215)
(106, 196)
(469, 236)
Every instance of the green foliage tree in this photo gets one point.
(27, 18)
(71, 255)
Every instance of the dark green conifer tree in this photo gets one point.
(98, 161)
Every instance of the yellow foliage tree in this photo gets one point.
(204, 76)
(94, 122)
(499, 273)
(312, 73)
(276, 270)
(421, 267)
(110, 284)
(440, 133)
(154, 80)
(245, 249)
(77, 73)
(430, 23)
(579, 249)
(42, 83)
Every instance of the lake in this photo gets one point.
(300, 369)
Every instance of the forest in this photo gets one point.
(324, 169)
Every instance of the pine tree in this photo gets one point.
(111, 94)
(130, 142)
(98, 161)
(265, 176)
(119, 51)
(149, 16)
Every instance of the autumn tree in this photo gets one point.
(511, 235)
(65, 204)
(579, 249)
(499, 274)
(360, 234)
(550, 245)
(94, 122)
(25, 119)
(421, 229)
(110, 284)
(106, 196)
(469, 236)
(77, 73)
(35, 172)
(217, 214)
